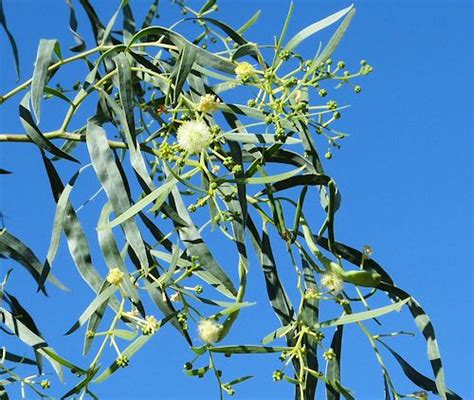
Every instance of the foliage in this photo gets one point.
(167, 121)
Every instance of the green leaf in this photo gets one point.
(361, 316)
(310, 316)
(335, 39)
(207, 6)
(40, 74)
(111, 180)
(416, 377)
(212, 272)
(27, 336)
(136, 345)
(11, 39)
(316, 27)
(247, 349)
(150, 14)
(262, 180)
(35, 134)
(80, 43)
(183, 67)
(203, 57)
(256, 138)
(15, 249)
(160, 195)
(280, 332)
(333, 367)
(249, 23)
(101, 299)
(76, 238)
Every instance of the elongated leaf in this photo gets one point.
(109, 176)
(362, 316)
(416, 377)
(73, 25)
(76, 238)
(249, 23)
(203, 57)
(183, 67)
(276, 293)
(335, 39)
(248, 349)
(256, 138)
(212, 272)
(280, 332)
(333, 367)
(11, 39)
(316, 27)
(40, 74)
(35, 134)
(310, 316)
(136, 345)
(27, 336)
(13, 248)
(102, 297)
(152, 11)
(263, 180)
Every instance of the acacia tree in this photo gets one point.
(190, 138)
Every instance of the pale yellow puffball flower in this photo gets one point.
(333, 282)
(208, 104)
(151, 325)
(244, 70)
(115, 276)
(209, 330)
(194, 136)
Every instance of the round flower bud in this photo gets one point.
(194, 136)
(328, 155)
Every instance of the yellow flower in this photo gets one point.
(193, 136)
(332, 282)
(209, 330)
(151, 325)
(175, 297)
(244, 70)
(329, 355)
(208, 103)
(45, 384)
(115, 276)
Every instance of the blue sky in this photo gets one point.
(405, 174)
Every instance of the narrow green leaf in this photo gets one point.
(416, 377)
(13, 248)
(109, 176)
(40, 74)
(361, 316)
(316, 27)
(11, 39)
(247, 349)
(102, 297)
(35, 134)
(256, 138)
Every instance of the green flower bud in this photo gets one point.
(357, 89)
(322, 92)
(328, 155)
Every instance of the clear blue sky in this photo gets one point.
(405, 175)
